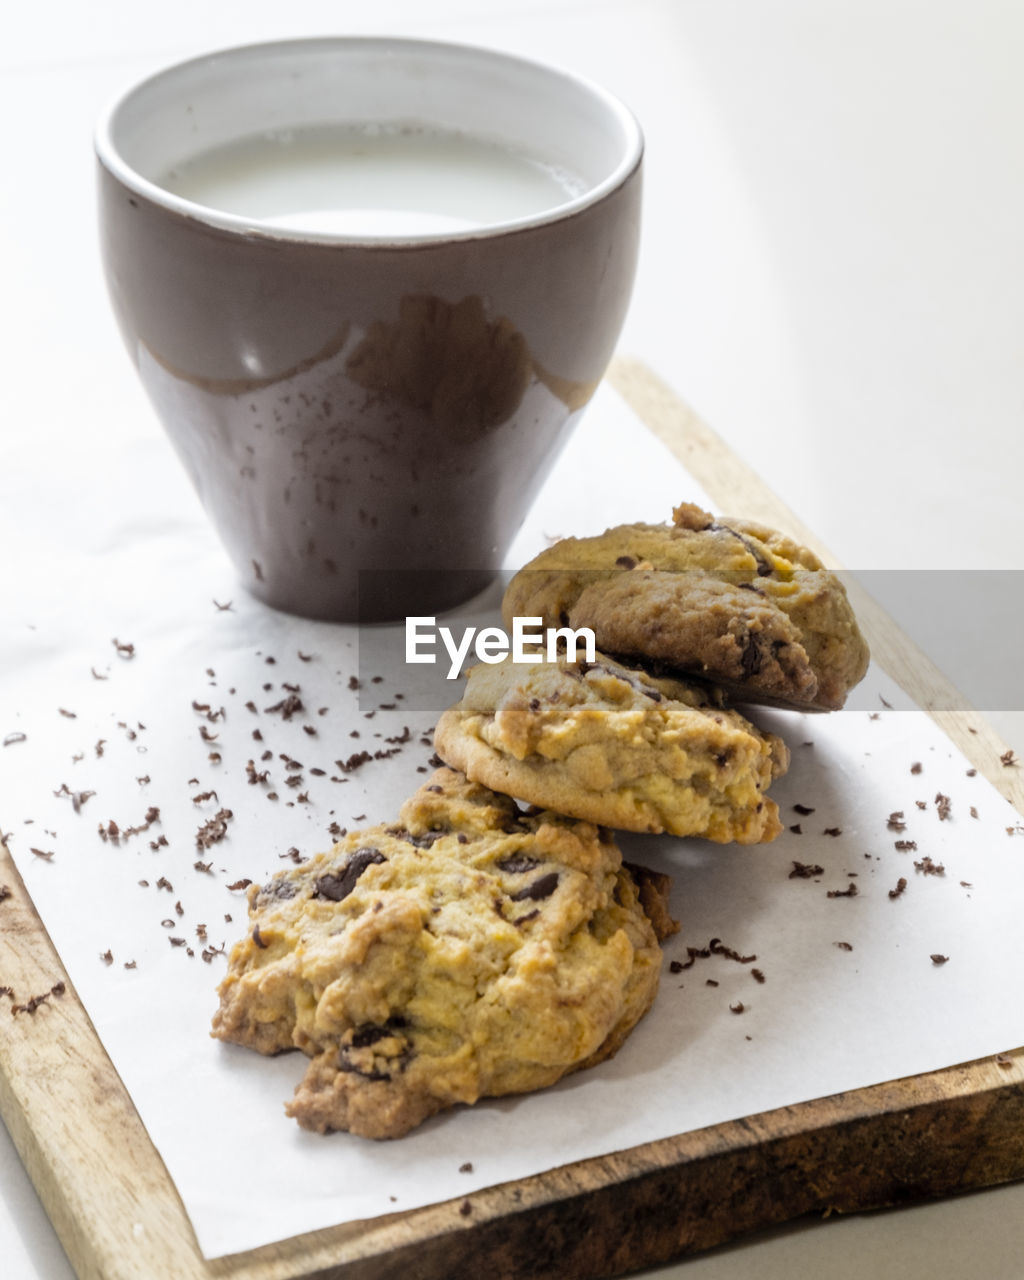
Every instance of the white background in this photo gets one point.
(831, 275)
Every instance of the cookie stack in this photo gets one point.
(492, 940)
(696, 613)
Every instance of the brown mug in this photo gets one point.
(365, 399)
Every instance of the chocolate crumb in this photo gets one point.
(803, 809)
(214, 830)
(465, 1209)
(895, 821)
(939, 959)
(78, 798)
(1004, 1060)
(1008, 759)
(123, 650)
(107, 957)
(901, 885)
(467, 1167)
(33, 1003)
(929, 868)
(805, 870)
(718, 948)
(738, 1007)
(287, 707)
(757, 975)
(943, 804)
(844, 946)
(916, 767)
(675, 966)
(11, 738)
(905, 846)
(832, 831)
(849, 892)
(257, 938)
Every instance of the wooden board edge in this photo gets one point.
(655, 1202)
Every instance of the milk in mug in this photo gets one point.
(380, 180)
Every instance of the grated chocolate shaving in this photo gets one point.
(214, 830)
(805, 871)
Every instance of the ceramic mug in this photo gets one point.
(368, 386)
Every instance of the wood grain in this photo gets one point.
(119, 1216)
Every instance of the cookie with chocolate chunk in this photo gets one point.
(469, 950)
(601, 741)
(729, 600)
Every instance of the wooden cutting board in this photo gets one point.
(119, 1216)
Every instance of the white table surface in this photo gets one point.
(832, 274)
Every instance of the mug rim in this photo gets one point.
(110, 157)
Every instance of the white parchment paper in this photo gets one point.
(138, 677)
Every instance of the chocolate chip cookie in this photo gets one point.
(731, 601)
(616, 746)
(469, 950)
